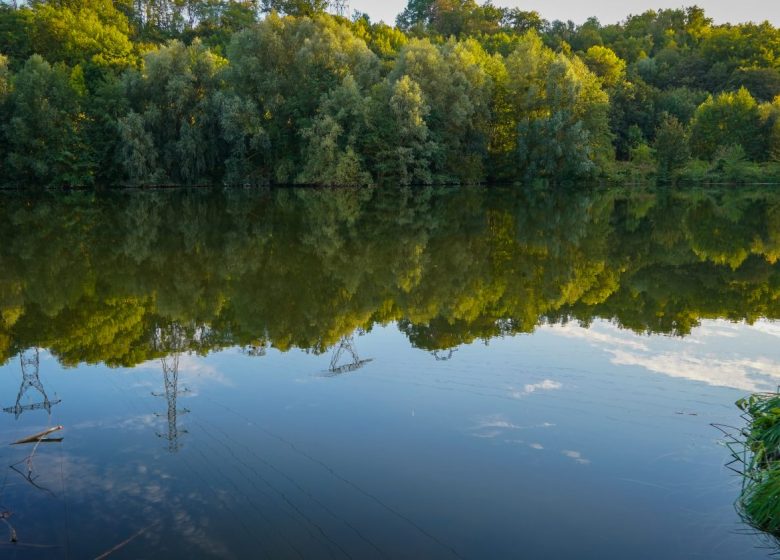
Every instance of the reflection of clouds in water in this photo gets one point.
(137, 496)
(136, 422)
(736, 373)
(596, 337)
(546, 385)
(495, 421)
(535, 446)
(192, 368)
(697, 357)
(494, 425)
(577, 456)
(767, 327)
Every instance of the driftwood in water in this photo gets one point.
(39, 437)
(124, 543)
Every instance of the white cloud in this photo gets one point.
(740, 373)
(596, 337)
(577, 456)
(767, 327)
(545, 385)
(710, 354)
(191, 369)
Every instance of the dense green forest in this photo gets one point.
(96, 276)
(139, 92)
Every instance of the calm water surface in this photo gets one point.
(374, 374)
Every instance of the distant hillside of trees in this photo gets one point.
(140, 92)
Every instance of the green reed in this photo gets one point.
(756, 457)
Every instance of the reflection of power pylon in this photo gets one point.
(440, 356)
(346, 347)
(340, 7)
(171, 339)
(254, 350)
(30, 362)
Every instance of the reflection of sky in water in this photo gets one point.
(568, 443)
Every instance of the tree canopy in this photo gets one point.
(239, 92)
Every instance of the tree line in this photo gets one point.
(96, 275)
(144, 92)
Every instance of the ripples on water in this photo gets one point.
(459, 373)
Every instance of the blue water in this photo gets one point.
(476, 373)
(567, 443)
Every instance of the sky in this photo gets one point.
(607, 11)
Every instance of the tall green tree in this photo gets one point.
(724, 120)
(607, 65)
(284, 67)
(457, 90)
(561, 113)
(44, 134)
(332, 150)
(402, 147)
(671, 146)
(170, 133)
(83, 31)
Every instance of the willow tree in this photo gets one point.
(457, 90)
(332, 153)
(44, 134)
(283, 67)
(169, 133)
(561, 113)
(403, 150)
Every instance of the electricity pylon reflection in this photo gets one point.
(444, 355)
(254, 350)
(30, 363)
(346, 348)
(172, 338)
(340, 7)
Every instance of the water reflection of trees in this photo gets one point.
(92, 278)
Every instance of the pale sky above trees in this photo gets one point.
(608, 11)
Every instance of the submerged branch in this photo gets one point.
(124, 543)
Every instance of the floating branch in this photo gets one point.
(40, 437)
(124, 543)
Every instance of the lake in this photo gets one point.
(376, 373)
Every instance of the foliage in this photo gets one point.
(561, 112)
(300, 268)
(608, 66)
(168, 134)
(729, 118)
(756, 455)
(279, 91)
(43, 136)
(671, 146)
(83, 31)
